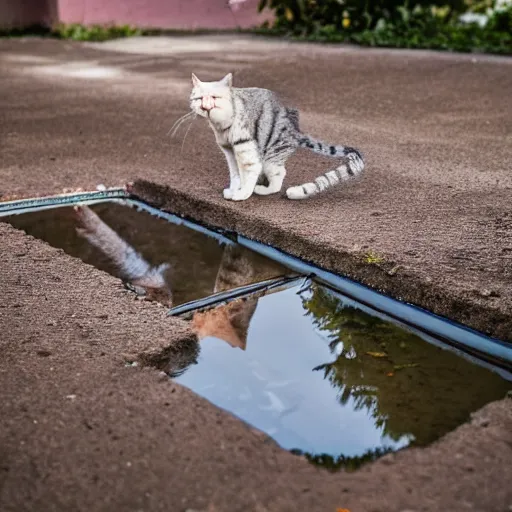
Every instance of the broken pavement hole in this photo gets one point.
(324, 375)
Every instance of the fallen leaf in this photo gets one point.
(377, 354)
(390, 374)
(402, 366)
(342, 510)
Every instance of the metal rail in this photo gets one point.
(42, 203)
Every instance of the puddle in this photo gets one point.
(152, 254)
(324, 378)
(321, 374)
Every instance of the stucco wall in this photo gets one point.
(23, 13)
(172, 14)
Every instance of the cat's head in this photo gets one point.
(212, 99)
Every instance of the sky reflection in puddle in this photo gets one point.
(321, 376)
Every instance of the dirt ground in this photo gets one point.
(81, 430)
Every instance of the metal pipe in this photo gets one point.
(432, 324)
(19, 206)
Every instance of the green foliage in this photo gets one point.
(33, 30)
(76, 32)
(407, 386)
(350, 15)
(423, 28)
(431, 24)
(501, 20)
(345, 462)
(373, 258)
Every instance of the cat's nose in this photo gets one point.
(207, 103)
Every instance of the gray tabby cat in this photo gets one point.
(257, 134)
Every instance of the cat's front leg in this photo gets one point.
(234, 175)
(250, 167)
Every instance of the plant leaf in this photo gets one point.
(376, 354)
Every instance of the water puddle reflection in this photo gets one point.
(326, 379)
(157, 259)
(321, 374)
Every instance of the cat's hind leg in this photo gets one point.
(275, 174)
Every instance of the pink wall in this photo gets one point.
(23, 13)
(173, 14)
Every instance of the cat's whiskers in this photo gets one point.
(179, 122)
(186, 133)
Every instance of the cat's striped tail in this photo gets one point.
(353, 168)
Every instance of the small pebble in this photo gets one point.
(489, 293)
(394, 270)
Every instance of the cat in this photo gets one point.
(257, 134)
(130, 265)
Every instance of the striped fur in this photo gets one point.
(257, 134)
(352, 168)
(130, 265)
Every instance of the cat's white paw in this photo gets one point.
(261, 190)
(241, 195)
(228, 193)
(296, 193)
(264, 191)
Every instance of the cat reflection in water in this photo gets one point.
(229, 322)
(130, 265)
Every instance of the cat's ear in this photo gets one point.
(195, 81)
(227, 80)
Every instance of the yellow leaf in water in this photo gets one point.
(390, 374)
(288, 14)
(402, 366)
(377, 354)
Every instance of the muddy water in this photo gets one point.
(326, 379)
(175, 263)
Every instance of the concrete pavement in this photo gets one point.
(434, 206)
